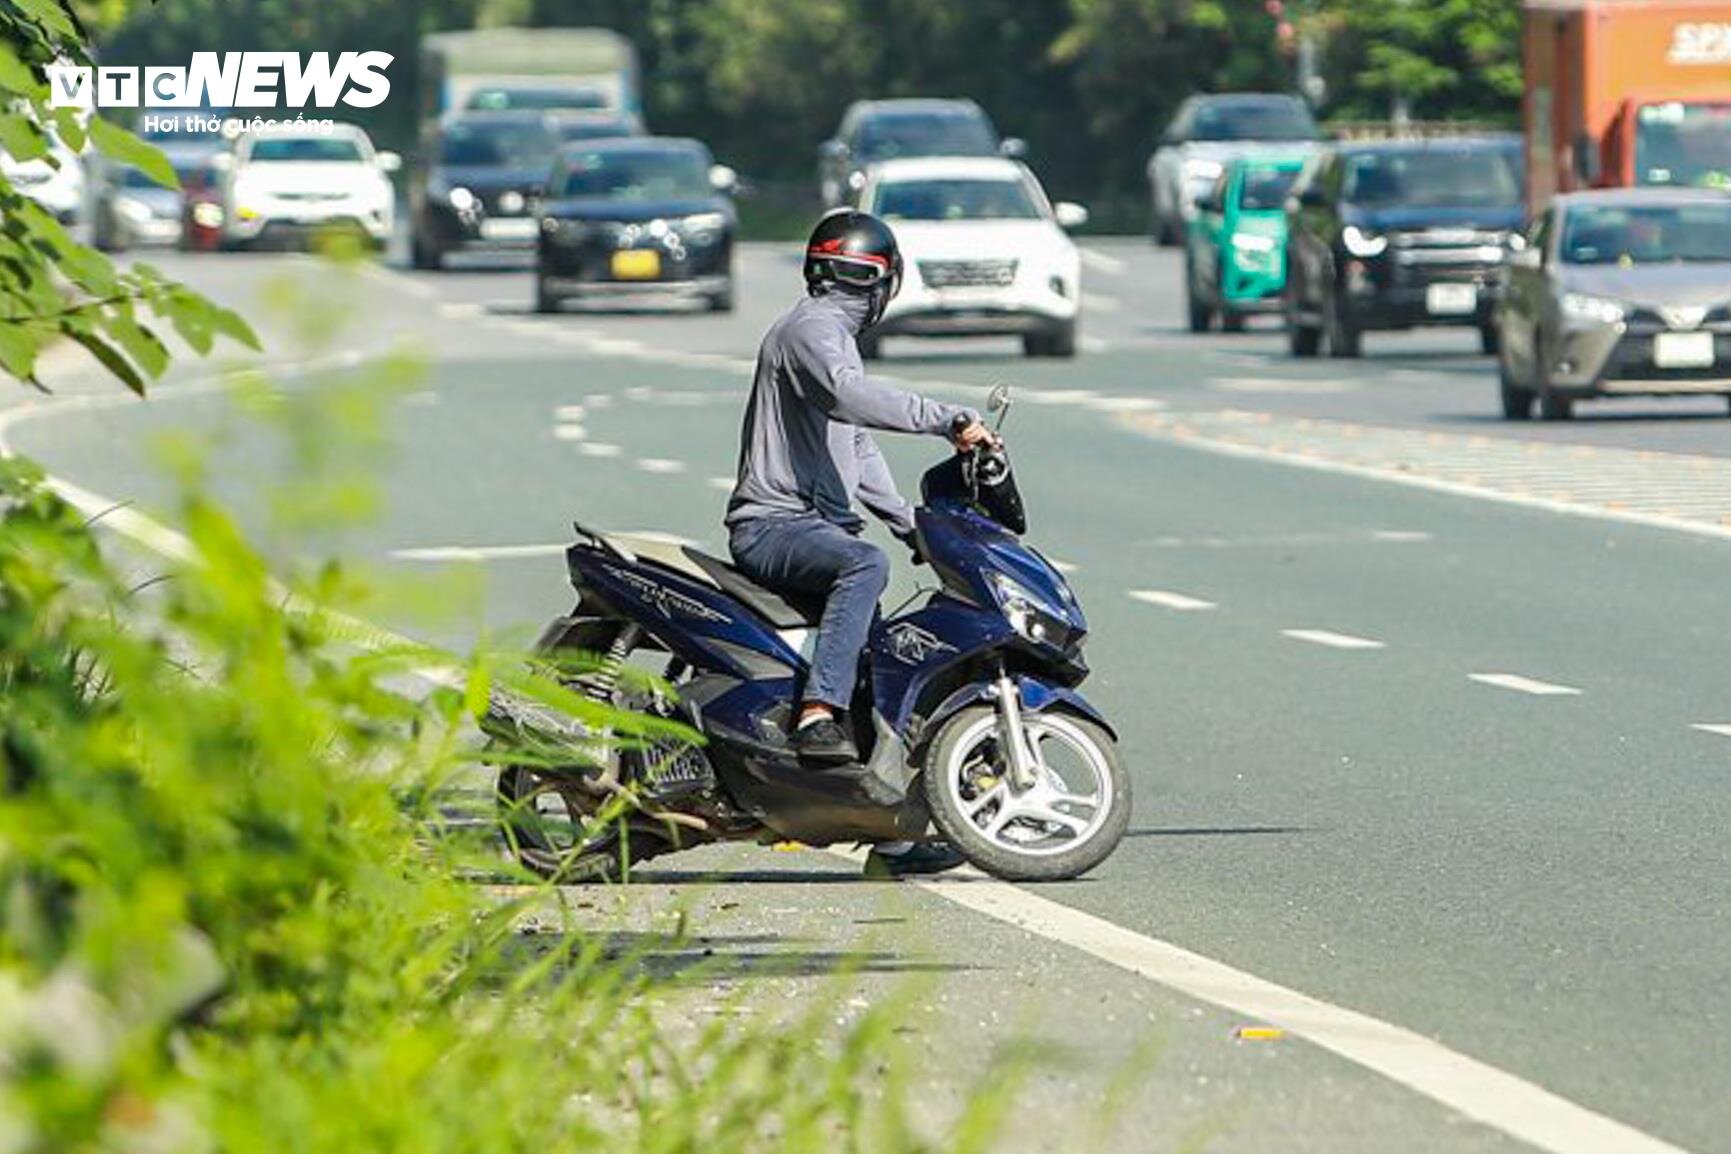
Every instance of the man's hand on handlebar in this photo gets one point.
(970, 435)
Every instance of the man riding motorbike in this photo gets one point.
(806, 455)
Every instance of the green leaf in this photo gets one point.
(18, 348)
(20, 139)
(233, 326)
(15, 76)
(119, 144)
(110, 357)
(49, 15)
(143, 346)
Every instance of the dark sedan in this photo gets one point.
(482, 186)
(1618, 292)
(637, 215)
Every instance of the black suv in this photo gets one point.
(481, 186)
(1395, 234)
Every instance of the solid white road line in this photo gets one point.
(1480, 1092)
(1182, 602)
(1332, 640)
(1100, 262)
(1713, 728)
(442, 553)
(598, 449)
(1521, 684)
(660, 465)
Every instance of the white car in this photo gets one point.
(985, 253)
(58, 187)
(289, 184)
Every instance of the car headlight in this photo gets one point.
(461, 199)
(703, 227)
(1592, 308)
(134, 210)
(1361, 243)
(1029, 614)
(1198, 169)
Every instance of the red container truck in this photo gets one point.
(1626, 92)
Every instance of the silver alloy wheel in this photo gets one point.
(1068, 804)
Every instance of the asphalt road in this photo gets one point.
(1416, 728)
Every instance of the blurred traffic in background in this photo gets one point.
(1316, 164)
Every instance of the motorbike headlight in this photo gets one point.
(1029, 614)
(461, 199)
(1581, 306)
(207, 215)
(1361, 243)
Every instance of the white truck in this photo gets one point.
(550, 69)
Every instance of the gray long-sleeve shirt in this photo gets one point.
(805, 446)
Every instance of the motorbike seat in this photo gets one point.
(782, 610)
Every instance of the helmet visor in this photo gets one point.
(860, 271)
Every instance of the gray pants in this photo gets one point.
(808, 555)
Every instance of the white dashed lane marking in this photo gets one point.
(1182, 602)
(1331, 639)
(570, 432)
(598, 449)
(1400, 535)
(721, 484)
(660, 465)
(1715, 728)
(1521, 684)
(570, 413)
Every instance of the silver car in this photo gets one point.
(1206, 134)
(1618, 292)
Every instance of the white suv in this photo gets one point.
(288, 184)
(986, 253)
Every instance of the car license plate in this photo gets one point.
(1451, 300)
(508, 228)
(636, 264)
(1683, 350)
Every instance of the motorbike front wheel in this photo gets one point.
(1065, 824)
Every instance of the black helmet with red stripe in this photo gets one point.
(855, 252)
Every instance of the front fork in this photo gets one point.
(1008, 698)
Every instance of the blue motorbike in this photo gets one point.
(967, 717)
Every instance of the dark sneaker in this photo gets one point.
(824, 741)
(925, 857)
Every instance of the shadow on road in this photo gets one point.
(698, 960)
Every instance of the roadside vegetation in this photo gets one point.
(232, 916)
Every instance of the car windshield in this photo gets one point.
(327, 149)
(886, 137)
(1269, 120)
(1435, 178)
(135, 178)
(1684, 144)
(956, 200)
(503, 99)
(1266, 188)
(666, 175)
(502, 145)
(1647, 234)
(594, 129)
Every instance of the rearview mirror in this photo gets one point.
(1069, 215)
(1014, 148)
(389, 162)
(1527, 259)
(722, 178)
(832, 150)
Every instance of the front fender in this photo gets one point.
(1037, 697)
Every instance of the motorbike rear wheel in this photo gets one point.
(548, 831)
(1066, 824)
